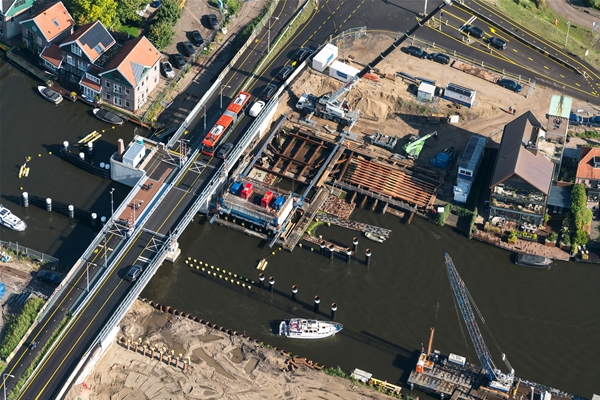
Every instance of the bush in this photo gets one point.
(565, 239)
(440, 218)
(489, 228)
(588, 135)
(243, 37)
(551, 237)
(472, 223)
(18, 324)
(169, 11)
(337, 371)
(161, 34)
(512, 237)
(463, 212)
(581, 238)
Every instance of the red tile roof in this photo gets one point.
(585, 169)
(52, 54)
(133, 58)
(92, 85)
(52, 20)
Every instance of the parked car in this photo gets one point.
(188, 49)
(439, 58)
(214, 22)
(284, 72)
(256, 108)
(268, 92)
(302, 54)
(575, 119)
(178, 60)
(510, 84)
(497, 43)
(473, 31)
(168, 69)
(594, 120)
(134, 272)
(225, 150)
(198, 40)
(416, 51)
(156, 3)
(49, 277)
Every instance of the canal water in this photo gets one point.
(545, 321)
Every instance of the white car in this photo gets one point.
(168, 69)
(256, 108)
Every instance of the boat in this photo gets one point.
(10, 220)
(108, 116)
(374, 237)
(530, 260)
(299, 328)
(262, 264)
(50, 94)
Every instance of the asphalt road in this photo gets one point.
(328, 19)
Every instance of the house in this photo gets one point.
(131, 75)
(522, 177)
(588, 172)
(11, 13)
(51, 24)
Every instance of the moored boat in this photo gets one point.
(108, 116)
(50, 94)
(374, 237)
(10, 220)
(300, 328)
(530, 260)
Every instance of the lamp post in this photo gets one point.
(105, 251)
(205, 118)
(568, 27)
(425, 9)
(269, 34)
(112, 203)
(222, 87)
(4, 382)
(87, 274)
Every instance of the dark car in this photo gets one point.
(197, 37)
(134, 272)
(575, 119)
(439, 58)
(268, 92)
(284, 72)
(214, 22)
(302, 55)
(178, 60)
(49, 277)
(510, 84)
(594, 120)
(497, 43)
(188, 49)
(225, 150)
(473, 31)
(416, 51)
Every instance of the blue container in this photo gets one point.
(279, 203)
(235, 188)
(2, 290)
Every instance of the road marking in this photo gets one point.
(546, 67)
(515, 50)
(530, 59)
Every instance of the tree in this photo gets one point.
(578, 197)
(161, 34)
(169, 11)
(126, 10)
(86, 11)
(581, 238)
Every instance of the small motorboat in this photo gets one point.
(300, 328)
(50, 94)
(108, 116)
(374, 237)
(9, 220)
(530, 260)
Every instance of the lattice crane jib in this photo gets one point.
(498, 380)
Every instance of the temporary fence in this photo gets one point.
(27, 252)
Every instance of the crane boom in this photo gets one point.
(354, 80)
(498, 380)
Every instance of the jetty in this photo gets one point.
(355, 225)
(328, 245)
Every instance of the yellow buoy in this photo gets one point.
(49, 152)
(39, 155)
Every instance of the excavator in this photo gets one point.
(332, 106)
(414, 147)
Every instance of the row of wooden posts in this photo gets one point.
(154, 349)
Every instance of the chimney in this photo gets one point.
(120, 149)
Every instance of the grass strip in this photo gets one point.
(18, 324)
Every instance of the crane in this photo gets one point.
(331, 107)
(414, 147)
(498, 380)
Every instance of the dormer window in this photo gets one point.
(75, 49)
(596, 161)
(98, 49)
(56, 22)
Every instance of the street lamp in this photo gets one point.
(425, 10)
(4, 382)
(112, 205)
(568, 27)
(269, 34)
(87, 273)
(204, 118)
(222, 87)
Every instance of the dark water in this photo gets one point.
(547, 322)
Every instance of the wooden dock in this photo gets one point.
(355, 225)
(318, 241)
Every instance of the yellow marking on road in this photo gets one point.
(546, 67)
(530, 59)
(561, 75)
(577, 84)
(515, 50)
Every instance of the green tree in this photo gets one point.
(169, 11)
(86, 11)
(161, 34)
(578, 197)
(583, 216)
(581, 238)
(126, 10)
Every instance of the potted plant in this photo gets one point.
(512, 237)
(565, 242)
(551, 239)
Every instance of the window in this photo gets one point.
(155, 67)
(98, 49)
(117, 101)
(19, 3)
(107, 96)
(117, 88)
(127, 104)
(107, 84)
(70, 60)
(146, 90)
(127, 91)
(155, 79)
(146, 78)
(92, 78)
(75, 49)
(56, 22)
(142, 83)
(82, 65)
(39, 40)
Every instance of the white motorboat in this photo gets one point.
(50, 94)
(10, 220)
(374, 237)
(300, 328)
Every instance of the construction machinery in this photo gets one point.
(497, 380)
(334, 106)
(415, 145)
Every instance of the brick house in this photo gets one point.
(51, 24)
(131, 75)
(588, 172)
(11, 13)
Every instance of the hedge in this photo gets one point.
(472, 223)
(18, 324)
(440, 218)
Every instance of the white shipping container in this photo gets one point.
(342, 71)
(325, 57)
(134, 154)
(456, 359)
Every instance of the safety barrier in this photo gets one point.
(26, 251)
